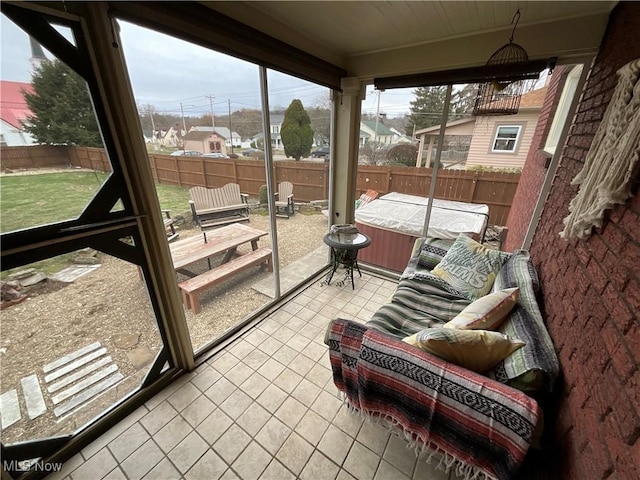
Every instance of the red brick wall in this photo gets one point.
(592, 293)
(534, 170)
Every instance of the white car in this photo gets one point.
(215, 155)
(188, 153)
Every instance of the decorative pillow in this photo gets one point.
(477, 350)
(470, 267)
(433, 251)
(486, 313)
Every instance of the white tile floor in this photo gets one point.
(263, 408)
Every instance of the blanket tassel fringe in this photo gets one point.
(422, 447)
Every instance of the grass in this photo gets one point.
(32, 200)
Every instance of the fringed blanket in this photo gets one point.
(482, 427)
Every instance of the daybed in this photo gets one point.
(481, 424)
(395, 220)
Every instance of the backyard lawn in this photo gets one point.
(39, 199)
(31, 200)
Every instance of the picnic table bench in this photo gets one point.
(218, 206)
(224, 240)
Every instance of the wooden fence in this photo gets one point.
(310, 179)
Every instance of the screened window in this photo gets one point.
(506, 139)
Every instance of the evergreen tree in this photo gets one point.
(296, 132)
(464, 99)
(426, 109)
(61, 107)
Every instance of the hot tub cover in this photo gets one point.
(404, 213)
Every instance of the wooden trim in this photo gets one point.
(200, 24)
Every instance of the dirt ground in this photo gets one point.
(110, 305)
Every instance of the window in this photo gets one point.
(506, 139)
(562, 111)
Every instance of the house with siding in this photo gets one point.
(500, 141)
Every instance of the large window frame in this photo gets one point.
(497, 137)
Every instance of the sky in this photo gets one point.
(178, 77)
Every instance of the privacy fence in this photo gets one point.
(310, 179)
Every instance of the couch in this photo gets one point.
(481, 424)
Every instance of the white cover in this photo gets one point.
(404, 213)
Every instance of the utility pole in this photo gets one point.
(230, 130)
(213, 120)
(184, 126)
(377, 117)
(153, 126)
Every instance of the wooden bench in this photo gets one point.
(218, 206)
(192, 288)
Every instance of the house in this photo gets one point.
(13, 111)
(589, 288)
(376, 131)
(500, 141)
(231, 139)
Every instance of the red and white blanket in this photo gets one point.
(482, 427)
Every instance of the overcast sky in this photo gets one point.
(166, 72)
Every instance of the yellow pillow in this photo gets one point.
(477, 350)
(486, 313)
(470, 267)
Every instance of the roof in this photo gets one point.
(436, 128)
(13, 106)
(382, 128)
(533, 99)
(197, 135)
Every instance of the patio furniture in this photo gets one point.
(344, 251)
(481, 424)
(218, 206)
(224, 240)
(284, 202)
(169, 226)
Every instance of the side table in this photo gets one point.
(344, 251)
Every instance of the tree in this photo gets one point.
(296, 132)
(61, 107)
(464, 99)
(426, 109)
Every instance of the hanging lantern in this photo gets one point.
(502, 98)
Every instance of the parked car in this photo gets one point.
(215, 155)
(322, 152)
(188, 153)
(251, 152)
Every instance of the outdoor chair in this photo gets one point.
(284, 202)
(169, 226)
(213, 207)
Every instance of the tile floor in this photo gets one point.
(263, 408)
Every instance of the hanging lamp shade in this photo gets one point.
(502, 98)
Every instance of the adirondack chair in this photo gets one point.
(218, 206)
(284, 202)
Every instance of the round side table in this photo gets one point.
(344, 251)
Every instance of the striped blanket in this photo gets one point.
(481, 427)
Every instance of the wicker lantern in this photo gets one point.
(502, 98)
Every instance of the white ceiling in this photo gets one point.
(359, 35)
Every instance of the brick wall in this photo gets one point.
(534, 170)
(592, 293)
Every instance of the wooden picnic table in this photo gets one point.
(222, 240)
(225, 240)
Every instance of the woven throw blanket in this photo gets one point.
(483, 428)
(605, 179)
(419, 302)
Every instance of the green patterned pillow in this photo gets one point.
(433, 251)
(470, 267)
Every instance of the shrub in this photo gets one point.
(263, 196)
(403, 154)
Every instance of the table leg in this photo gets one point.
(229, 255)
(254, 244)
